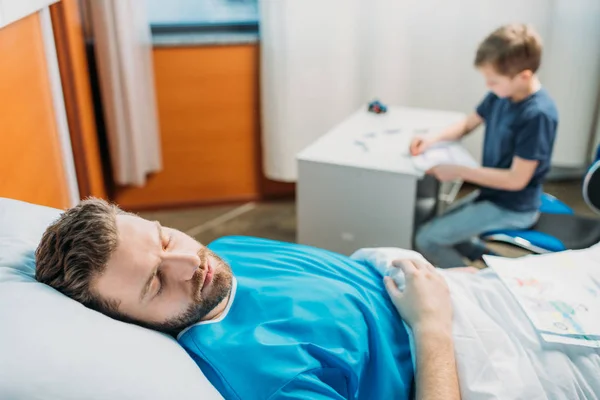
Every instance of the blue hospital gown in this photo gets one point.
(303, 323)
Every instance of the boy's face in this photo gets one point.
(502, 85)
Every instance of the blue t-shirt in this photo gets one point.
(525, 129)
(304, 323)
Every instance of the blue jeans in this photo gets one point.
(445, 240)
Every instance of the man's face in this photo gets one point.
(162, 277)
(501, 85)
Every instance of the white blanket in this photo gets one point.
(499, 354)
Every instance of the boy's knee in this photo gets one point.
(423, 239)
(431, 237)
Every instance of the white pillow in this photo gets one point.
(52, 347)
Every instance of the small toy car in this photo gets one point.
(377, 107)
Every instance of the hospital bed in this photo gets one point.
(54, 348)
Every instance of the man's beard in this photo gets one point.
(200, 307)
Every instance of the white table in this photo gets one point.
(357, 186)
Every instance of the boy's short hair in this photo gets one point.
(511, 49)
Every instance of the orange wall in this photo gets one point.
(30, 157)
(208, 109)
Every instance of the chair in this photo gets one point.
(558, 227)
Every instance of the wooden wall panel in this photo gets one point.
(31, 166)
(275, 190)
(208, 108)
(73, 64)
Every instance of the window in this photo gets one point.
(209, 15)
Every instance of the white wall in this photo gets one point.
(426, 59)
(201, 11)
(319, 67)
(572, 74)
(13, 10)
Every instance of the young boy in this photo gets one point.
(520, 120)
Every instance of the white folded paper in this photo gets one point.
(452, 153)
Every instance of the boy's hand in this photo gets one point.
(419, 144)
(447, 172)
(425, 303)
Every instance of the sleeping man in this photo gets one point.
(269, 320)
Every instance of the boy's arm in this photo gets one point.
(514, 179)
(454, 132)
(533, 143)
(461, 128)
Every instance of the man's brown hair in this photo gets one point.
(511, 49)
(75, 249)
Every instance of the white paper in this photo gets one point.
(549, 338)
(452, 153)
(382, 143)
(559, 292)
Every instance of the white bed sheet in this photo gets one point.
(499, 354)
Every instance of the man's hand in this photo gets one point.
(421, 143)
(425, 305)
(425, 302)
(447, 172)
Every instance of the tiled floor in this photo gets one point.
(277, 220)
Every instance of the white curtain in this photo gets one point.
(123, 47)
(323, 59)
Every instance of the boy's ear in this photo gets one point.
(525, 75)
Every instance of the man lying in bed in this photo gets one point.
(262, 319)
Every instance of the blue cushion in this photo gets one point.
(552, 205)
(539, 239)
